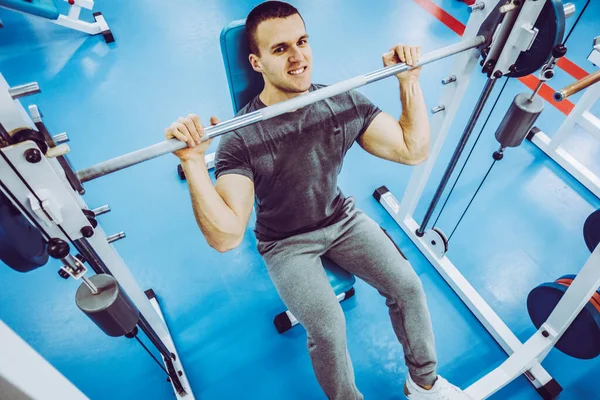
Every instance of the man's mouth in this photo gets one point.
(298, 71)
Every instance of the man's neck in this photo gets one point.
(271, 95)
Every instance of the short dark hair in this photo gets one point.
(265, 11)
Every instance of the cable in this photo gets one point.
(472, 198)
(493, 163)
(576, 21)
(471, 152)
(152, 355)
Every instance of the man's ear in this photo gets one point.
(255, 63)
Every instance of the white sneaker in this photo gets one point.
(441, 390)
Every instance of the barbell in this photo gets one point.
(168, 146)
(550, 26)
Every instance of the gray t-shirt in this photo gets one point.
(294, 160)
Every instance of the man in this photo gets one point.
(290, 164)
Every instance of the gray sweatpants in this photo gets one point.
(357, 244)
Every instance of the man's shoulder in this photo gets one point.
(253, 105)
(237, 136)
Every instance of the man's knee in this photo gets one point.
(407, 286)
(327, 329)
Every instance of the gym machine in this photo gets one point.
(528, 39)
(48, 10)
(581, 339)
(513, 39)
(580, 115)
(26, 364)
(43, 214)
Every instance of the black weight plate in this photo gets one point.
(582, 338)
(21, 245)
(591, 230)
(551, 27)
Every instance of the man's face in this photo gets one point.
(285, 57)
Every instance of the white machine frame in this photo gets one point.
(20, 365)
(580, 115)
(43, 194)
(41, 190)
(523, 358)
(72, 21)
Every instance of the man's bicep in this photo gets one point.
(384, 138)
(237, 191)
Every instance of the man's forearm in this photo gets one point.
(414, 120)
(218, 222)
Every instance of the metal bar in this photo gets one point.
(577, 87)
(16, 92)
(448, 80)
(90, 285)
(101, 210)
(537, 89)
(159, 149)
(485, 94)
(569, 9)
(476, 7)
(61, 138)
(114, 237)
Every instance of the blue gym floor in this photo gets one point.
(523, 229)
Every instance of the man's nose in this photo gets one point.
(295, 54)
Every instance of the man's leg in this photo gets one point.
(295, 267)
(360, 246)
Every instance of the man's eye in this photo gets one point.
(302, 42)
(279, 50)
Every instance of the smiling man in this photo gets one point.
(288, 166)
